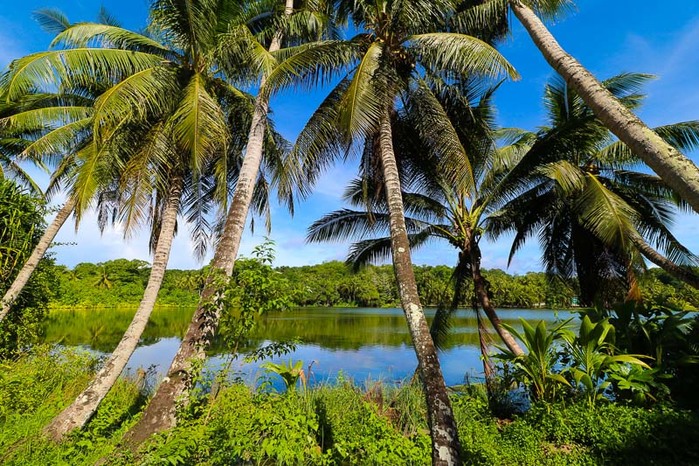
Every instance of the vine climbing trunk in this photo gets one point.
(445, 440)
(160, 412)
(81, 410)
(33, 262)
(678, 172)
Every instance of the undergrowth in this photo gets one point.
(330, 424)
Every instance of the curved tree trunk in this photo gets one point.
(680, 173)
(681, 273)
(479, 285)
(33, 262)
(484, 343)
(160, 412)
(81, 410)
(445, 440)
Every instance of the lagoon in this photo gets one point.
(359, 343)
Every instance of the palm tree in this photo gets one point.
(43, 127)
(50, 127)
(675, 169)
(167, 130)
(576, 189)
(437, 209)
(256, 37)
(386, 65)
(10, 143)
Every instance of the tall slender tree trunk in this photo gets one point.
(680, 173)
(160, 412)
(683, 274)
(445, 439)
(484, 343)
(81, 410)
(33, 262)
(481, 290)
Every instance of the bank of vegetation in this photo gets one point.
(349, 422)
(170, 126)
(121, 282)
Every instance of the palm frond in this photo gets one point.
(51, 20)
(459, 55)
(108, 36)
(362, 103)
(199, 125)
(79, 66)
(605, 214)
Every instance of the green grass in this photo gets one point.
(327, 425)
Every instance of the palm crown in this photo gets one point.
(577, 190)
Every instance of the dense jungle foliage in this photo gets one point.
(121, 282)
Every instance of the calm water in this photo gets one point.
(362, 343)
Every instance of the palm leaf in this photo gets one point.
(607, 215)
(459, 55)
(199, 125)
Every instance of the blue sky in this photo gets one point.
(608, 37)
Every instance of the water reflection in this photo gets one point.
(362, 343)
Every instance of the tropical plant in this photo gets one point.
(436, 209)
(576, 190)
(675, 169)
(539, 369)
(401, 43)
(10, 144)
(290, 372)
(168, 130)
(27, 129)
(21, 225)
(47, 117)
(665, 336)
(255, 37)
(592, 362)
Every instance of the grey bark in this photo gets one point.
(683, 274)
(445, 440)
(83, 408)
(679, 172)
(33, 262)
(160, 414)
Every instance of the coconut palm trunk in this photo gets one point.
(484, 344)
(680, 173)
(81, 410)
(681, 273)
(160, 412)
(33, 262)
(479, 286)
(445, 441)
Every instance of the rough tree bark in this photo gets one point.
(33, 262)
(160, 412)
(445, 440)
(679, 172)
(82, 409)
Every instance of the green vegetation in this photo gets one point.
(120, 283)
(154, 126)
(341, 424)
(21, 226)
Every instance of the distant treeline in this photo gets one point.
(121, 282)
